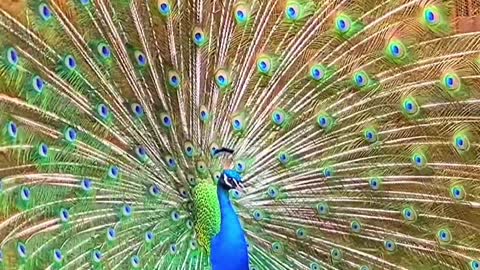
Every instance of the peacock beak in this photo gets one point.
(240, 187)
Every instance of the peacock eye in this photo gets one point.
(264, 64)
(43, 150)
(22, 250)
(64, 215)
(12, 130)
(111, 234)
(241, 13)
(137, 110)
(360, 79)
(278, 117)
(199, 37)
(222, 78)
(343, 23)
(410, 106)
(317, 72)
(389, 245)
(97, 256)
(140, 58)
(292, 11)
(166, 120)
(204, 115)
(12, 56)
(38, 84)
(451, 81)
(45, 12)
(444, 236)
(104, 50)
(174, 79)
(396, 49)
(164, 7)
(70, 62)
(57, 255)
(355, 226)
(431, 15)
(25, 193)
(84, 2)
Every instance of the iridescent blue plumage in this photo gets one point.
(229, 246)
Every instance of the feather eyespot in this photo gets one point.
(154, 190)
(140, 58)
(336, 254)
(45, 12)
(193, 244)
(317, 72)
(64, 215)
(22, 250)
(111, 234)
(278, 117)
(166, 120)
(444, 236)
(70, 62)
(149, 236)
(475, 265)
(364, 267)
(127, 210)
(431, 15)
(70, 135)
(171, 162)
(314, 266)
(283, 158)
(451, 81)
(141, 153)
(322, 208)
(189, 149)
(410, 106)
(202, 167)
(12, 130)
(361, 79)
(264, 64)
(409, 214)
(389, 245)
(113, 172)
(199, 37)
(57, 255)
(370, 135)
(241, 13)
(355, 226)
(25, 193)
(164, 7)
(396, 49)
(375, 183)
(43, 150)
(292, 11)
(103, 111)
(238, 123)
(419, 160)
(461, 142)
(277, 247)
(86, 184)
(97, 256)
(204, 115)
(222, 78)
(173, 249)
(175, 215)
(240, 166)
(137, 110)
(272, 192)
(457, 192)
(104, 50)
(38, 84)
(12, 56)
(301, 233)
(85, 2)
(343, 23)
(174, 79)
(257, 215)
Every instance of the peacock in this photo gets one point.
(239, 135)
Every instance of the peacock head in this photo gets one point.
(231, 179)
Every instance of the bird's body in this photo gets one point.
(229, 246)
(239, 134)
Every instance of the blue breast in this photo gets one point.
(229, 246)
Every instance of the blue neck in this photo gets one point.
(229, 247)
